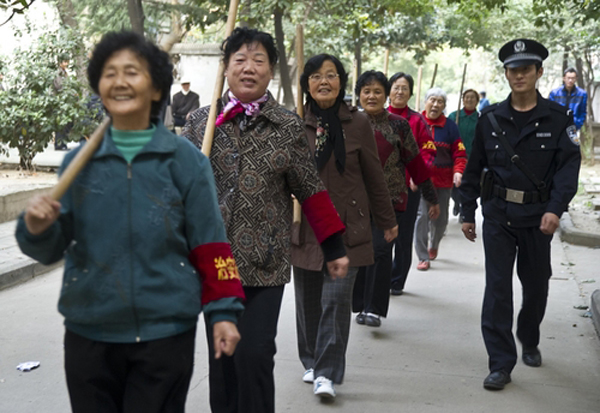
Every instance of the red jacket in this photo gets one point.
(451, 156)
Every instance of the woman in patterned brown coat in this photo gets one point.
(342, 142)
(398, 151)
(260, 158)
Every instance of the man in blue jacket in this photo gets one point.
(571, 96)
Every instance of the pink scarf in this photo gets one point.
(234, 106)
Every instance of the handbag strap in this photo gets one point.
(514, 158)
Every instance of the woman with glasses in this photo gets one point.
(402, 85)
(341, 141)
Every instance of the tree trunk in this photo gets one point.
(66, 13)
(284, 73)
(177, 32)
(358, 55)
(244, 13)
(136, 15)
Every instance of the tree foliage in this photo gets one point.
(32, 108)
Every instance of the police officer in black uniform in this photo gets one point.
(526, 179)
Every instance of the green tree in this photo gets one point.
(32, 108)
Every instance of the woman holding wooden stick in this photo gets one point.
(260, 158)
(144, 243)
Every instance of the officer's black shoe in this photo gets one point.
(532, 356)
(496, 380)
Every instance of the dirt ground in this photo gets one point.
(15, 181)
(582, 214)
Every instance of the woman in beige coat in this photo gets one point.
(341, 140)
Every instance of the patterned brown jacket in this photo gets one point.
(258, 164)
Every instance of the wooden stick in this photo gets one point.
(462, 85)
(299, 99)
(386, 61)
(419, 77)
(434, 75)
(354, 79)
(209, 132)
(79, 161)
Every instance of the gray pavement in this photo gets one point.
(428, 356)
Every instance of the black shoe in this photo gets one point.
(456, 209)
(360, 318)
(532, 356)
(372, 320)
(496, 380)
(396, 291)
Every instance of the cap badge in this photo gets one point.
(519, 46)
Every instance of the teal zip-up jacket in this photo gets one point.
(128, 232)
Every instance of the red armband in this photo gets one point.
(218, 271)
(322, 216)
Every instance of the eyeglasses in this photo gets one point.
(400, 89)
(317, 77)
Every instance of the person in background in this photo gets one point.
(136, 279)
(184, 102)
(400, 93)
(484, 102)
(341, 141)
(449, 164)
(467, 120)
(519, 214)
(398, 152)
(571, 96)
(261, 158)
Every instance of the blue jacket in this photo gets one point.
(576, 101)
(126, 231)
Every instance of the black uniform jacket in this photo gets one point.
(547, 145)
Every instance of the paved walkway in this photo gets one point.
(428, 356)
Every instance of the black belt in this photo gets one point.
(520, 197)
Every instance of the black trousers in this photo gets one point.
(244, 382)
(149, 377)
(403, 244)
(372, 286)
(531, 248)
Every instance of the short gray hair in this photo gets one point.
(437, 92)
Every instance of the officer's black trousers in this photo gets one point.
(531, 248)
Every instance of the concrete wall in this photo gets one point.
(11, 205)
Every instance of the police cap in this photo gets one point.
(522, 52)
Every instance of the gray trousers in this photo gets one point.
(323, 313)
(429, 233)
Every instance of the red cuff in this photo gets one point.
(218, 271)
(418, 170)
(322, 216)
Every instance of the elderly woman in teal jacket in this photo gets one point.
(144, 245)
(467, 120)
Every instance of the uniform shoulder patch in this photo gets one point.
(573, 135)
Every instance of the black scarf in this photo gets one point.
(329, 120)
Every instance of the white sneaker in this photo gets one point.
(324, 388)
(309, 376)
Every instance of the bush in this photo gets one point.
(32, 109)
